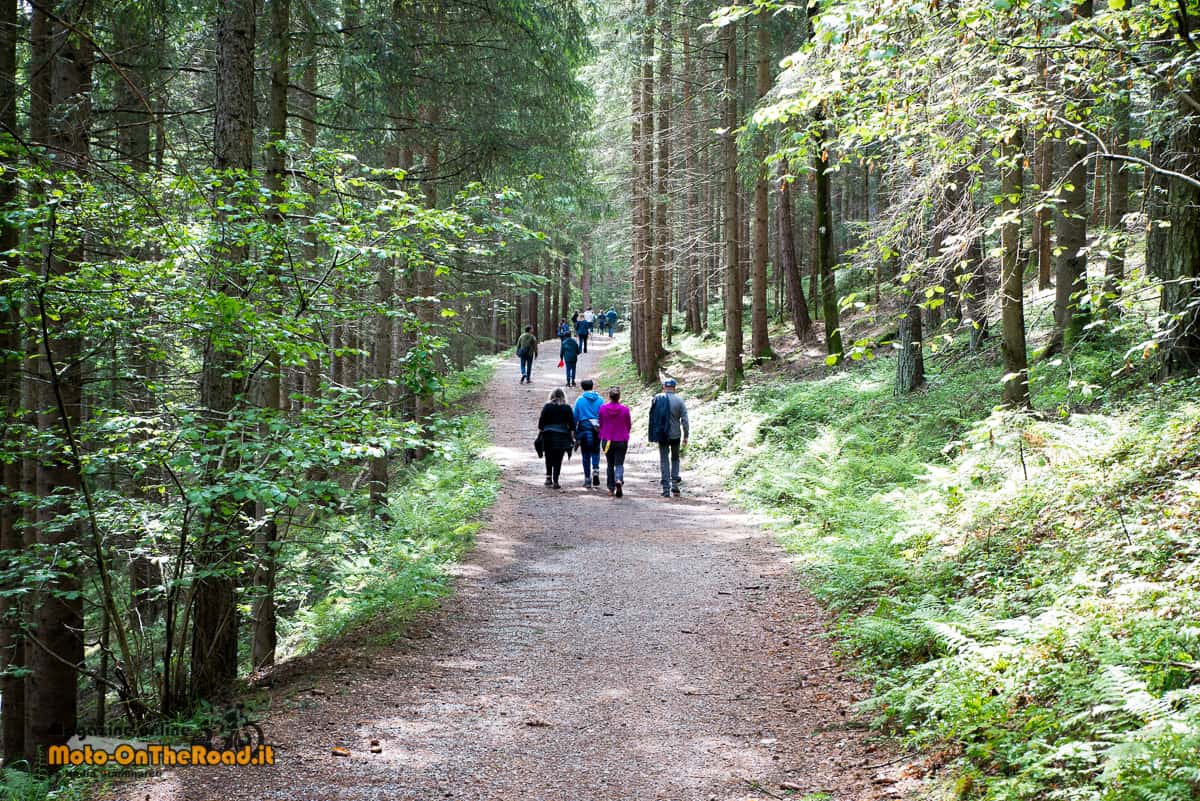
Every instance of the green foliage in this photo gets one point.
(1021, 591)
(379, 572)
(68, 784)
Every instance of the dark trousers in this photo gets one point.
(554, 460)
(583, 338)
(570, 371)
(527, 366)
(615, 458)
(668, 463)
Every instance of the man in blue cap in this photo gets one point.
(669, 429)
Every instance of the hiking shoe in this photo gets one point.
(619, 488)
(549, 481)
(675, 491)
(595, 479)
(556, 485)
(666, 494)
(611, 493)
(587, 483)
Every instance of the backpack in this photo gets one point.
(660, 419)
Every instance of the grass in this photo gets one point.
(394, 567)
(1022, 590)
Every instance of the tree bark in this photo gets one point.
(57, 625)
(760, 343)
(733, 282)
(910, 358)
(793, 283)
(823, 225)
(1117, 205)
(215, 617)
(1012, 275)
(12, 640)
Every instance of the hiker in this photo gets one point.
(527, 347)
(564, 330)
(615, 425)
(582, 328)
(556, 424)
(587, 433)
(568, 355)
(669, 429)
(610, 317)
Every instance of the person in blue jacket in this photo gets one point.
(569, 353)
(564, 330)
(582, 329)
(610, 317)
(587, 432)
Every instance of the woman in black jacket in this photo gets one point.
(557, 424)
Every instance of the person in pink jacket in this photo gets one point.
(615, 425)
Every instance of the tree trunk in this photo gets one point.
(215, 615)
(12, 641)
(1012, 275)
(1117, 205)
(57, 626)
(910, 358)
(760, 343)
(1070, 225)
(793, 283)
(663, 258)
(1181, 258)
(824, 244)
(733, 282)
(565, 306)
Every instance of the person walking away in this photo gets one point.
(582, 328)
(669, 429)
(568, 354)
(564, 330)
(527, 347)
(587, 432)
(556, 424)
(615, 425)
(610, 317)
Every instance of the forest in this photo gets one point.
(929, 274)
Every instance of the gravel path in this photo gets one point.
(595, 650)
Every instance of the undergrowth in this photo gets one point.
(380, 571)
(1023, 590)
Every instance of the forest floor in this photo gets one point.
(594, 648)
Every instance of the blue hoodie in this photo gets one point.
(587, 406)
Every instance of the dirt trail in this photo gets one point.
(595, 650)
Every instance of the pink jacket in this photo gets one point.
(615, 422)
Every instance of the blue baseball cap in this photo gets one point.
(668, 382)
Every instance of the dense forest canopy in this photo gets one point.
(250, 249)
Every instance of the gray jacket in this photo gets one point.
(678, 416)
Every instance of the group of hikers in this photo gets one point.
(573, 341)
(595, 428)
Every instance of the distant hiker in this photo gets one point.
(527, 347)
(669, 429)
(564, 330)
(568, 354)
(615, 425)
(574, 319)
(556, 425)
(587, 432)
(610, 317)
(590, 316)
(582, 329)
